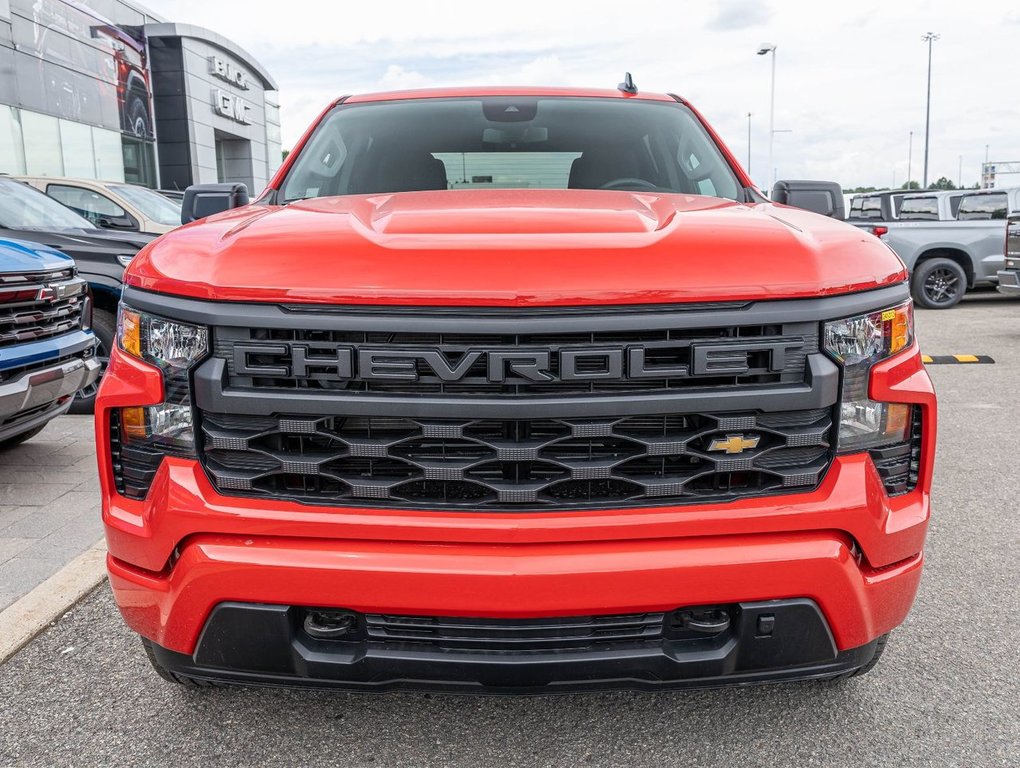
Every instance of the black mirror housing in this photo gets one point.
(201, 200)
(824, 197)
(117, 222)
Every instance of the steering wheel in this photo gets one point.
(629, 181)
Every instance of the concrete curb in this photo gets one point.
(32, 613)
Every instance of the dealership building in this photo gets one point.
(105, 89)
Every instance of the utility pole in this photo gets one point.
(910, 155)
(928, 37)
(959, 175)
(748, 143)
(763, 49)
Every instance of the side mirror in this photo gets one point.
(201, 200)
(117, 222)
(824, 197)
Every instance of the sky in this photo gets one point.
(850, 76)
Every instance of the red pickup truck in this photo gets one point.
(513, 390)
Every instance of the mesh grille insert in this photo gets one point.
(515, 463)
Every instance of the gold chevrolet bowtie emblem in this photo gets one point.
(734, 444)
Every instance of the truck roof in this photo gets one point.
(440, 93)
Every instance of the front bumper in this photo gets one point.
(1009, 282)
(766, 641)
(178, 556)
(41, 393)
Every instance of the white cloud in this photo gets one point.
(739, 14)
(544, 70)
(850, 78)
(397, 78)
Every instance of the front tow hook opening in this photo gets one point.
(702, 621)
(330, 624)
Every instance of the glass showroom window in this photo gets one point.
(109, 155)
(76, 143)
(12, 150)
(42, 144)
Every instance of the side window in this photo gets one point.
(871, 208)
(983, 207)
(920, 209)
(85, 202)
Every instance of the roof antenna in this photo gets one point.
(627, 86)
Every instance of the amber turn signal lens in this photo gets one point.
(133, 421)
(899, 323)
(897, 421)
(129, 332)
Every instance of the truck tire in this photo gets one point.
(173, 677)
(137, 117)
(10, 442)
(879, 650)
(938, 284)
(104, 325)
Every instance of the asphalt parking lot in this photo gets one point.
(947, 691)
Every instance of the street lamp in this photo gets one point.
(928, 37)
(763, 49)
(910, 157)
(749, 144)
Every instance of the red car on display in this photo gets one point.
(514, 390)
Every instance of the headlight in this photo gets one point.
(174, 348)
(858, 343)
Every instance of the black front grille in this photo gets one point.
(38, 305)
(508, 464)
(263, 358)
(515, 635)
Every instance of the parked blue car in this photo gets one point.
(47, 347)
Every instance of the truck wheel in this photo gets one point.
(137, 117)
(104, 325)
(879, 650)
(10, 442)
(938, 284)
(173, 677)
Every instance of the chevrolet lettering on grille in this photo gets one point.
(366, 363)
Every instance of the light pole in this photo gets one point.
(910, 156)
(748, 143)
(762, 50)
(928, 37)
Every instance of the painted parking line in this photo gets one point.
(956, 359)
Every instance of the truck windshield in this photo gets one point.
(22, 207)
(510, 143)
(152, 204)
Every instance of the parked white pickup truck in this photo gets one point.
(947, 254)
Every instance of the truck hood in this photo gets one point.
(514, 248)
(20, 256)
